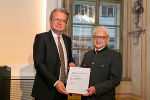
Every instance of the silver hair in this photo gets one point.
(102, 28)
(63, 10)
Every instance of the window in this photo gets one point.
(86, 14)
(108, 11)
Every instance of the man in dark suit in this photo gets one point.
(106, 67)
(51, 51)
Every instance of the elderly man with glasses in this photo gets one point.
(106, 67)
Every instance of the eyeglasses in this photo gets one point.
(59, 20)
(100, 37)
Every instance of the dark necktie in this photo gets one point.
(61, 55)
(96, 51)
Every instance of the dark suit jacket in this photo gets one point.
(106, 70)
(47, 64)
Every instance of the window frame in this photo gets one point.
(70, 24)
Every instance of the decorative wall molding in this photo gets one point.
(137, 12)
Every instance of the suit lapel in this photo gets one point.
(53, 44)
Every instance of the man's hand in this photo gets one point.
(91, 91)
(72, 64)
(61, 88)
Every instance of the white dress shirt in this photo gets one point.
(64, 50)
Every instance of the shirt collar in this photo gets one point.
(99, 49)
(54, 34)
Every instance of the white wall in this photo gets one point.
(20, 21)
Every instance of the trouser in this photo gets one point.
(58, 96)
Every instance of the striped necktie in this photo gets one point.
(62, 61)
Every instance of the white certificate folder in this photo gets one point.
(78, 80)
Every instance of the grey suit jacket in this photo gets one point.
(47, 64)
(106, 70)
